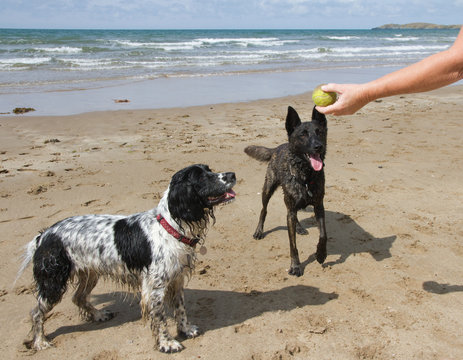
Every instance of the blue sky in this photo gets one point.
(229, 14)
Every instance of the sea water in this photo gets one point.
(69, 71)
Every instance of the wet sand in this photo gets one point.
(173, 92)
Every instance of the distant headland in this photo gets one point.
(418, 25)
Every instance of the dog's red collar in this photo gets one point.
(175, 233)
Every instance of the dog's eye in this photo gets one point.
(207, 177)
(317, 132)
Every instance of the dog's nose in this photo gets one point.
(230, 177)
(318, 147)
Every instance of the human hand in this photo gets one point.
(351, 98)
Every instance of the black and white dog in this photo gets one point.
(152, 251)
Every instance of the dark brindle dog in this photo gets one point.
(297, 167)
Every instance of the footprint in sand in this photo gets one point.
(38, 190)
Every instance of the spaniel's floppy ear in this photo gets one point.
(183, 201)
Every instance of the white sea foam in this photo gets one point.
(61, 49)
(25, 61)
(387, 49)
(342, 37)
(22, 63)
(86, 62)
(401, 38)
(272, 41)
(168, 46)
(200, 42)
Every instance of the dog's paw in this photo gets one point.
(190, 331)
(38, 344)
(258, 235)
(321, 257)
(170, 346)
(321, 254)
(295, 270)
(102, 315)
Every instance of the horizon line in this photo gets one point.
(177, 29)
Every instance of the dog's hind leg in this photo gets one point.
(87, 280)
(39, 340)
(52, 270)
(321, 247)
(269, 188)
(295, 268)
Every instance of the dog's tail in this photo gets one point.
(260, 153)
(28, 255)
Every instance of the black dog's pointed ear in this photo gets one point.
(318, 117)
(292, 120)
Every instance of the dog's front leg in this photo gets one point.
(321, 247)
(183, 327)
(156, 300)
(295, 268)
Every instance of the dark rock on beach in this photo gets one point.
(22, 110)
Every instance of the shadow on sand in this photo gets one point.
(209, 309)
(345, 238)
(436, 288)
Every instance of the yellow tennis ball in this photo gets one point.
(322, 98)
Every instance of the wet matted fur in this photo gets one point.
(138, 250)
(298, 167)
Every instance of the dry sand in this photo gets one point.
(391, 287)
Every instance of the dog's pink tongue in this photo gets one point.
(316, 162)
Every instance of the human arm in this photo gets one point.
(431, 73)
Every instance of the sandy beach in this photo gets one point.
(391, 287)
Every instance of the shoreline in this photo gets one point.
(184, 92)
